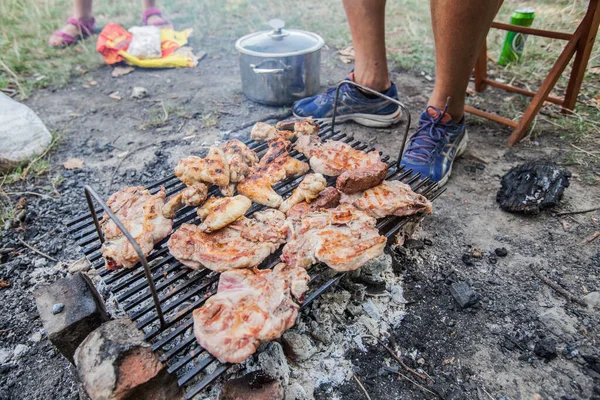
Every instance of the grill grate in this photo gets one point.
(179, 290)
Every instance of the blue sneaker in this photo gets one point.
(436, 143)
(353, 105)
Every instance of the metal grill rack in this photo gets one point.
(161, 295)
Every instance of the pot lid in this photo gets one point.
(279, 42)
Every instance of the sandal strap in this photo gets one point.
(86, 27)
(67, 39)
(151, 12)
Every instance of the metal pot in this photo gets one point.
(280, 66)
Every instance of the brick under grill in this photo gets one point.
(180, 290)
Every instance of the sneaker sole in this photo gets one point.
(462, 147)
(370, 120)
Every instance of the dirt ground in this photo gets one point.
(482, 352)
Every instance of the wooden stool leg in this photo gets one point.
(545, 89)
(584, 49)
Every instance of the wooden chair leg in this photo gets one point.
(481, 69)
(545, 89)
(584, 48)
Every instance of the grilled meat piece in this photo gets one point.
(141, 214)
(389, 198)
(328, 198)
(251, 306)
(362, 178)
(244, 243)
(300, 126)
(344, 238)
(240, 159)
(263, 132)
(332, 158)
(307, 190)
(273, 167)
(219, 212)
(191, 196)
(213, 168)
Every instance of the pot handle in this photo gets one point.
(257, 70)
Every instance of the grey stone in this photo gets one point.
(296, 391)
(57, 308)
(115, 363)
(35, 337)
(463, 294)
(83, 311)
(139, 92)
(22, 133)
(5, 356)
(298, 347)
(20, 350)
(272, 362)
(81, 265)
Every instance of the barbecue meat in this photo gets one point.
(191, 196)
(273, 167)
(141, 214)
(244, 243)
(300, 126)
(213, 168)
(362, 178)
(389, 198)
(251, 306)
(263, 132)
(219, 212)
(328, 198)
(344, 238)
(240, 158)
(307, 190)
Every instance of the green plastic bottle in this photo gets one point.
(515, 41)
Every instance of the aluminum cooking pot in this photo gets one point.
(280, 66)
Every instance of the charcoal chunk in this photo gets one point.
(463, 294)
(501, 252)
(545, 348)
(531, 187)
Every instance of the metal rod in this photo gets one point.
(376, 93)
(90, 192)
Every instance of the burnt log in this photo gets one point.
(531, 187)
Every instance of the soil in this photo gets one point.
(482, 352)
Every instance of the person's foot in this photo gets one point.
(436, 143)
(153, 17)
(353, 105)
(74, 30)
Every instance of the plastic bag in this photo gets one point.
(145, 42)
(113, 44)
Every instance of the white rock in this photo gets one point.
(20, 350)
(5, 356)
(139, 92)
(592, 299)
(22, 133)
(35, 337)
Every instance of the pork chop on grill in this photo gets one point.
(307, 190)
(141, 214)
(219, 212)
(273, 167)
(263, 132)
(355, 169)
(251, 306)
(327, 198)
(344, 238)
(389, 198)
(211, 169)
(244, 243)
(300, 126)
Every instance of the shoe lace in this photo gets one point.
(428, 135)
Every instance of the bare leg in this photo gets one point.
(367, 25)
(82, 9)
(459, 29)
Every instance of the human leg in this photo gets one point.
(152, 15)
(80, 24)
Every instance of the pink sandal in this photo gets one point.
(152, 12)
(86, 28)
